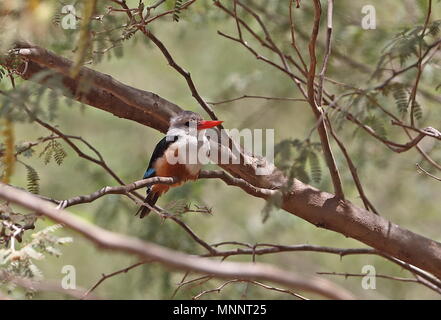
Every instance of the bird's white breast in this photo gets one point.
(191, 151)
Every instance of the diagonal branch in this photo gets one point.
(176, 260)
(321, 128)
(327, 51)
(182, 71)
(315, 206)
(123, 189)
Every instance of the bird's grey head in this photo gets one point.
(188, 122)
(185, 120)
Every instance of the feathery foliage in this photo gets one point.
(33, 179)
(21, 262)
(177, 8)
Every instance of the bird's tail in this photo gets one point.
(150, 199)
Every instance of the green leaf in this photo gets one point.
(400, 96)
(315, 168)
(32, 179)
(53, 104)
(377, 125)
(59, 153)
(417, 110)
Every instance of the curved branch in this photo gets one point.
(123, 189)
(173, 259)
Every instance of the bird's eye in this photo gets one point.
(187, 123)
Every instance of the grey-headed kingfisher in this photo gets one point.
(186, 134)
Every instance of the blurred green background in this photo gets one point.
(221, 70)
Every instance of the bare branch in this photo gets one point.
(293, 36)
(427, 173)
(420, 67)
(417, 279)
(218, 289)
(123, 189)
(104, 277)
(149, 251)
(327, 51)
(368, 205)
(182, 71)
(360, 275)
(246, 96)
(268, 248)
(322, 130)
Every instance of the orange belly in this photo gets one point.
(164, 169)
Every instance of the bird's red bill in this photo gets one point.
(207, 124)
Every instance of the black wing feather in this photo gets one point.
(159, 151)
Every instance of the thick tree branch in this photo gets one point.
(318, 207)
(105, 92)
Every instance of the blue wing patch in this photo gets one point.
(150, 172)
(158, 153)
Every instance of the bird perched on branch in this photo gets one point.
(178, 155)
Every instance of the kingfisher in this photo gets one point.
(178, 154)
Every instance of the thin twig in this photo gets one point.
(368, 205)
(427, 173)
(420, 67)
(246, 96)
(360, 275)
(104, 277)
